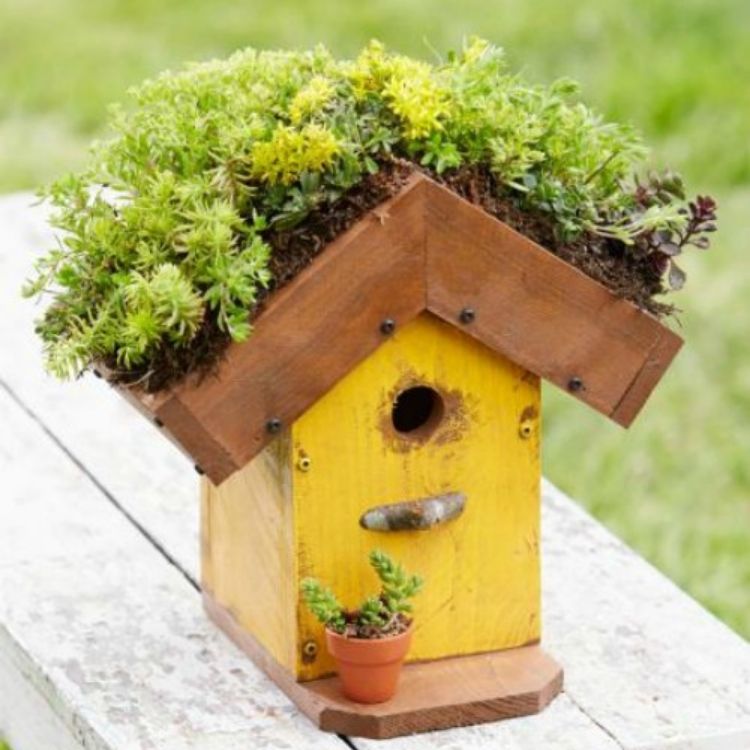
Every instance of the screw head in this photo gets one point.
(309, 651)
(575, 384)
(467, 315)
(388, 326)
(273, 425)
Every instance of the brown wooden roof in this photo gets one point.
(425, 249)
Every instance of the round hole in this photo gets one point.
(417, 411)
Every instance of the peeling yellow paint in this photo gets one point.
(482, 569)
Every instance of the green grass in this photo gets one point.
(677, 485)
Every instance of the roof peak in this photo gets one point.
(424, 249)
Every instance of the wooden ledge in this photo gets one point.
(456, 692)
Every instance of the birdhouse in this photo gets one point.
(389, 398)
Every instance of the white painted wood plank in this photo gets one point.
(649, 667)
(25, 715)
(641, 657)
(104, 640)
(562, 726)
(146, 473)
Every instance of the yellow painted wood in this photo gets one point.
(482, 587)
(247, 549)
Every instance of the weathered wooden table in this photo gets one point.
(103, 642)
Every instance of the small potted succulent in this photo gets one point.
(370, 643)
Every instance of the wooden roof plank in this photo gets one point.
(312, 333)
(657, 361)
(426, 248)
(537, 310)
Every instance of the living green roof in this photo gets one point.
(169, 237)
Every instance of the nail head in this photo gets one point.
(575, 384)
(388, 326)
(467, 315)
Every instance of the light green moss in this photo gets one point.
(166, 228)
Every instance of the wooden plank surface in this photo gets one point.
(113, 637)
(539, 311)
(663, 351)
(25, 714)
(646, 667)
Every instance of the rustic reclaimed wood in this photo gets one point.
(424, 249)
(456, 692)
(248, 548)
(311, 334)
(539, 311)
(484, 564)
(268, 518)
(661, 354)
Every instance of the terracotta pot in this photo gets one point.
(369, 668)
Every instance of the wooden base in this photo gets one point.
(432, 695)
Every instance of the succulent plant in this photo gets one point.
(378, 615)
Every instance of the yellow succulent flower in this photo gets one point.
(370, 70)
(310, 98)
(290, 152)
(416, 97)
(409, 87)
(475, 50)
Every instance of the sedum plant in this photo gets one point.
(167, 238)
(384, 614)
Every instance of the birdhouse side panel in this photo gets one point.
(247, 549)
(469, 426)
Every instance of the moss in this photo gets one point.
(166, 234)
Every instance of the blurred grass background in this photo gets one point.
(676, 486)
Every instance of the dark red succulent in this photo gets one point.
(662, 246)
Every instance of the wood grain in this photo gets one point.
(484, 564)
(658, 359)
(312, 333)
(424, 249)
(248, 546)
(539, 311)
(461, 691)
